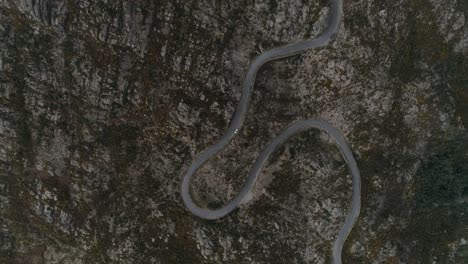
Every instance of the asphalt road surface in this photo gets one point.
(334, 20)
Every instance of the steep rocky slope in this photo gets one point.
(103, 104)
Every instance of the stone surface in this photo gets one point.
(103, 104)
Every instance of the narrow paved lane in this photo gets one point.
(236, 122)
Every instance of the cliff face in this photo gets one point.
(103, 104)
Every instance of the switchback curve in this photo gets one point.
(237, 120)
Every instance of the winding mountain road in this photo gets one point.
(297, 126)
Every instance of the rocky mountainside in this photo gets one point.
(103, 104)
